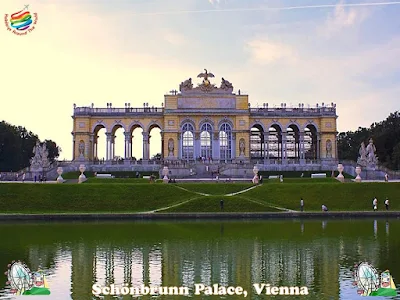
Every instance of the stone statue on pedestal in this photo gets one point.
(186, 85)
(171, 147)
(328, 149)
(371, 157)
(40, 161)
(362, 159)
(241, 147)
(81, 149)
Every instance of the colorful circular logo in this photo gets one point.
(21, 20)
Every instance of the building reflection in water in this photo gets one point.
(315, 262)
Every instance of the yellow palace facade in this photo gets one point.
(210, 122)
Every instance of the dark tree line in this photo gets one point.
(386, 137)
(16, 145)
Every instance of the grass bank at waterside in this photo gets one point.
(108, 196)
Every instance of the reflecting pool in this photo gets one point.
(317, 254)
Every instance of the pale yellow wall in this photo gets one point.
(242, 102)
(171, 102)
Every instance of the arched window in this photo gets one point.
(206, 141)
(187, 142)
(225, 141)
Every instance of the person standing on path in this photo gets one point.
(375, 204)
(387, 203)
(301, 204)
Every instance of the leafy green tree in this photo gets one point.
(386, 137)
(16, 145)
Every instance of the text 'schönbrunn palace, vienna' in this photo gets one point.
(206, 127)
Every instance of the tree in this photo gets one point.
(54, 150)
(16, 145)
(386, 137)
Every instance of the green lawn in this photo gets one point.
(212, 204)
(137, 195)
(107, 198)
(337, 197)
(220, 188)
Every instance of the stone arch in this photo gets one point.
(275, 140)
(311, 122)
(98, 126)
(116, 125)
(257, 123)
(293, 123)
(275, 123)
(154, 124)
(134, 125)
(292, 141)
(189, 121)
(311, 141)
(207, 120)
(227, 121)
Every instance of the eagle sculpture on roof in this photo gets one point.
(205, 77)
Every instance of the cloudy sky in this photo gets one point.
(292, 51)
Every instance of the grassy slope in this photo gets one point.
(126, 195)
(215, 188)
(212, 204)
(47, 198)
(337, 197)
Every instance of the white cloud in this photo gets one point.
(343, 18)
(263, 51)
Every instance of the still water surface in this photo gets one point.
(316, 254)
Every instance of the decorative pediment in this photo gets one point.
(99, 121)
(186, 87)
(293, 121)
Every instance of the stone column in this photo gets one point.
(302, 154)
(162, 144)
(91, 147)
(130, 147)
(113, 146)
(233, 146)
(73, 148)
(146, 147)
(179, 136)
(215, 146)
(128, 140)
(95, 146)
(196, 141)
(108, 145)
(284, 154)
(318, 146)
(266, 145)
